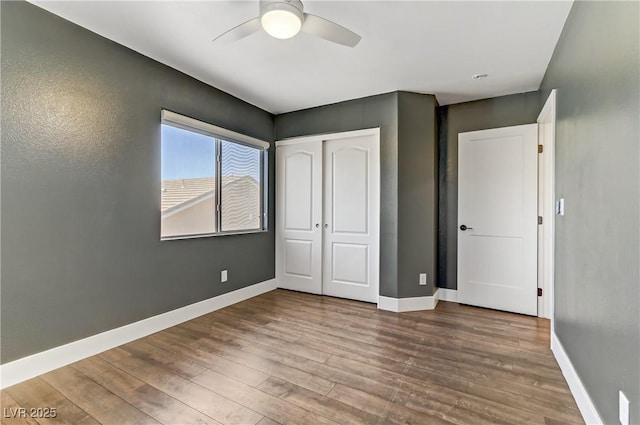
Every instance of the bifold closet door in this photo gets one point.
(298, 217)
(351, 218)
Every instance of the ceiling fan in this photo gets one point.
(284, 19)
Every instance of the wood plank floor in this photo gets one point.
(292, 358)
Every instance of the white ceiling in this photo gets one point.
(421, 46)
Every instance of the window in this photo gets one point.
(213, 180)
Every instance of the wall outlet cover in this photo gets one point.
(223, 276)
(423, 279)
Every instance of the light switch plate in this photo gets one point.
(223, 276)
(560, 207)
(423, 279)
(624, 409)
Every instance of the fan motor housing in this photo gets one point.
(293, 6)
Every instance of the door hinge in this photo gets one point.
(540, 148)
(539, 219)
(539, 292)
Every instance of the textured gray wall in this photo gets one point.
(595, 68)
(408, 182)
(497, 112)
(81, 186)
(376, 111)
(417, 193)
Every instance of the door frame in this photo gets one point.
(375, 131)
(328, 136)
(546, 180)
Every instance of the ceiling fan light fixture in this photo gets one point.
(284, 19)
(281, 19)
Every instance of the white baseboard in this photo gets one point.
(586, 406)
(450, 295)
(29, 367)
(400, 305)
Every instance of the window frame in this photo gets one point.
(219, 135)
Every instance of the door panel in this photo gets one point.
(298, 186)
(298, 258)
(350, 263)
(351, 218)
(495, 185)
(497, 201)
(299, 240)
(350, 203)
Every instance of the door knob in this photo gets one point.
(326, 225)
(317, 225)
(463, 228)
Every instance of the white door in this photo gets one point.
(298, 217)
(497, 218)
(351, 218)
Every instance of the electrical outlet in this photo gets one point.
(623, 405)
(423, 279)
(223, 276)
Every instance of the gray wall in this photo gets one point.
(595, 68)
(81, 186)
(417, 193)
(497, 112)
(376, 111)
(407, 141)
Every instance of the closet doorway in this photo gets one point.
(328, 214)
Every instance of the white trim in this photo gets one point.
(28, 367)
(387, 303)
(450, 295)
(546, 243)
(214, 130)
(401, 305)
(435, 298)
(329, 136)
(586, 406)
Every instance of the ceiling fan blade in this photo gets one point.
(239, 32)
(328, 30)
